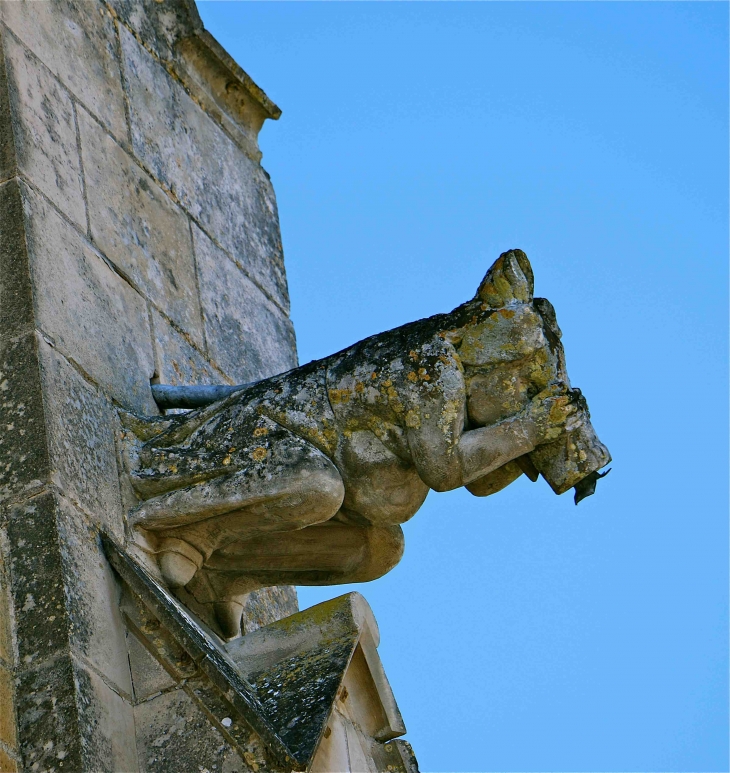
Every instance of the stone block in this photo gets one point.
(16, 298)
(90, 312)
(76, 40)
(172, 730)
(248, 337)
(139, 228)
(92, 599)
(45, 131)
(24, 460)
(41, 622)
(47, 718)
(148, 676)
(226, 191)
(161, 25)
(8, 734)
(177, 362)
(106, 726)
(80, 424)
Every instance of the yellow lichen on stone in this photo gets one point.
(449, 414)
(413, 420)
(339, 396)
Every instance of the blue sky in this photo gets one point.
(417, 142)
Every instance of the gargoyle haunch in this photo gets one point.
(304, 478)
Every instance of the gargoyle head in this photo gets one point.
(511, 351)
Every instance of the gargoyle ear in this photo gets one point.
(508, 281)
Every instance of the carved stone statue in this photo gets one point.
(304, 478)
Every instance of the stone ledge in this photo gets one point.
(176, 37)
(226, 91)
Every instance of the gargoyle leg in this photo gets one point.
(323, 554)
(318, 555)
(277, 495)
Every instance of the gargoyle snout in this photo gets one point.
(574, 459)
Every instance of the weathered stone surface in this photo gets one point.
(41, 622)
(177, 362)
(332, 752)
(8, 733)
(48, 730)
(109, 304)
(248, 336)
(7, 656)
(148, 676)
(396, 756)
(106, 724)
(80, 424)
(24, 457)
(172, 731)
(358, 750)
(227, 192)
(16, 301)
(160, 26)
(45, 131)
(139, 228)
(229, 724)
(145, 626)
(8, 163)
(92, 598)
(224, 90)
(267, 605)
(7, 763)
(90, 312)
(75, 39)
(321, 660)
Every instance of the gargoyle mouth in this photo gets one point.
(587, 486)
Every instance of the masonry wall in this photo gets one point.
(139, 242)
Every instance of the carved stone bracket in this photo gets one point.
(306, 693)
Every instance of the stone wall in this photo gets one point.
(139, 242)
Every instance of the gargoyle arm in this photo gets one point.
(484, 449)
(474, 454)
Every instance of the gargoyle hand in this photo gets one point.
(552, 412)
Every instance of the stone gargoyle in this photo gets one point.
(304, 478)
